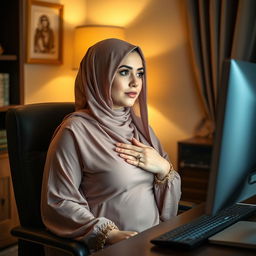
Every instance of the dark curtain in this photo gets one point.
(218, 30)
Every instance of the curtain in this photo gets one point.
(218, 30)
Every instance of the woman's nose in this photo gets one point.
(134, 81)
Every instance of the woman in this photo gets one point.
(44, 36)
(106, 175)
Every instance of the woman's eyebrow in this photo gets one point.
(125, 66)
(129, 67)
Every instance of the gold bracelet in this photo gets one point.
(103, 235)
(169, 176)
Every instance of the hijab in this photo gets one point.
(93, 93)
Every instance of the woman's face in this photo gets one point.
(44, 21)
(127, 82)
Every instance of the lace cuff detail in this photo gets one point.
(102, 235)
(170, 176)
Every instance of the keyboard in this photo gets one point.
(194, 233)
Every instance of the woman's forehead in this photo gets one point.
(132, 59)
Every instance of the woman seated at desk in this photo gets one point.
(107, 176)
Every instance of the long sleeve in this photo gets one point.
(65, 210)
(167, 195)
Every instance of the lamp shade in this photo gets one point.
(86, 36)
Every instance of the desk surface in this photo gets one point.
(140, 245)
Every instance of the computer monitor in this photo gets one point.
(233, 165)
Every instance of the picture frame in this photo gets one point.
(44, 32)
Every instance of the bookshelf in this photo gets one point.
(8, 57)
(11, 39)
(12, 63)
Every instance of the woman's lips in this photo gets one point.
(131, 94)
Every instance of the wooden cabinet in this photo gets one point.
(11, 63)
(194, 158)
(8, 210)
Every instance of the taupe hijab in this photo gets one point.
(93, 93)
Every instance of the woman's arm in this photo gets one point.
(65, 210)
(167, 194)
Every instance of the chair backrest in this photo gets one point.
(29, 132)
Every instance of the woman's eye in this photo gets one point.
(124, 72)
(140, 74)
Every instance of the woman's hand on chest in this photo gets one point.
(143, 156)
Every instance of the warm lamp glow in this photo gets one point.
(115, 12)
(86, 36)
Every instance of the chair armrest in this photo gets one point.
(44, 237)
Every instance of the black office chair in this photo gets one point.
(29, 131)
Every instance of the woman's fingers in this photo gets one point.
(128, 152)
(115, 236)
(137, 151)
(138, 143)
(136, 163)
(129, 147)
(125, 149)
(125, 156)
(132, 160)
(134, 155)
(142, 156)
(133, 234)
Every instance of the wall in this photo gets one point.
(159, 28)
(56, 82)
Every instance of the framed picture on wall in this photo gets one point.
(44, 32)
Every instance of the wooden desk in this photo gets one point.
(140, 245)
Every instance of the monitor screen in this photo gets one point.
(233, 166)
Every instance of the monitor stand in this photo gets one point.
(240, 234)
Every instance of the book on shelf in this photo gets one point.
(4, 89)
(3, 141)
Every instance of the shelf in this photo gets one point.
(5, 108)
(194, 158)
(8, 57)
(3, 154)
